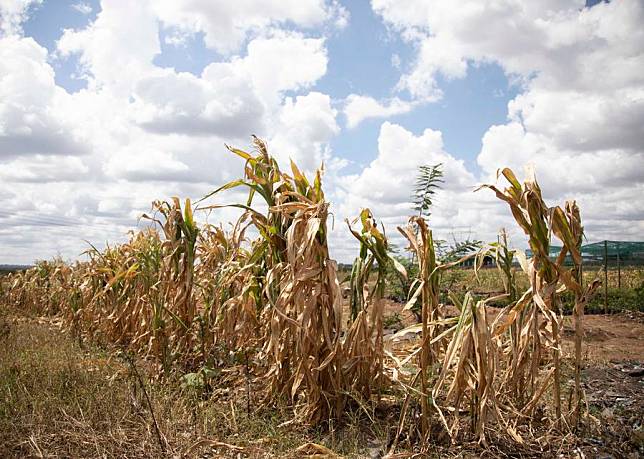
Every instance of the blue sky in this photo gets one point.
(46, 24)
(107, 105)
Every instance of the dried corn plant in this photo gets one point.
(567, 227)
(433, 322)
(363, 346)
(533, 216)
(176, 277)
(114, 305)
(427, 287)
(503, 258)
(39, 289)
(71, 303)
(301, 314)
(468, 374)
(228, 290)
(536, 338)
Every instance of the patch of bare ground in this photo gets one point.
(613, 381)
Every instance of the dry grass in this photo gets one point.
(58, 400)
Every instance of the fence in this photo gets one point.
(614, 258)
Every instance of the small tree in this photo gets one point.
(428, 181)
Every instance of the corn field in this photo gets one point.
(182, 295)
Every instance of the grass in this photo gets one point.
(61, 400)
(57, 400)
(629, 297)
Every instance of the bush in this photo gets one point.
(630, 299)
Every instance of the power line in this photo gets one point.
(50, 219)
(62, 222)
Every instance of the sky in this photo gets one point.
(106, 106)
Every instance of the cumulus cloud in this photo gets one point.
(385, 184)
(13, 13)
(579, 117)
(284, 61)
(117, 49)
(306, 125)
(359, 108)
(218, 103)
(29, 100)
(231, 98)
(39, 169)
(226, 24)
(81, 7)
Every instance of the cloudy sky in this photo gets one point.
(106, 106)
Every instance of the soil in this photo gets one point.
(612, 338)
(612, 379)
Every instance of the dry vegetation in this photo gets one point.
(213, 340)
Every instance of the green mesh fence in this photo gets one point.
(624, 253)
(620, 267)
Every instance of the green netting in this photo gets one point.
(623, 252)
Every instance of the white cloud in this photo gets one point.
(13, 13)
(395, 61)
(117, 49)
(306, 125)
(222, 102)
(584, 120)
(139, 164)
(561, 42)
(41, 168)
(230, 99)
(227, 24)
(29, 99)
(81, 7)
(385, 183)
(176, 37)
(359, 108)
(284, 61)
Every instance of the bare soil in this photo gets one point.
(612, 378)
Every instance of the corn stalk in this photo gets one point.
(363, 347)
(301, 311)
(426, 286)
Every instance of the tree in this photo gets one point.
(428, 181)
